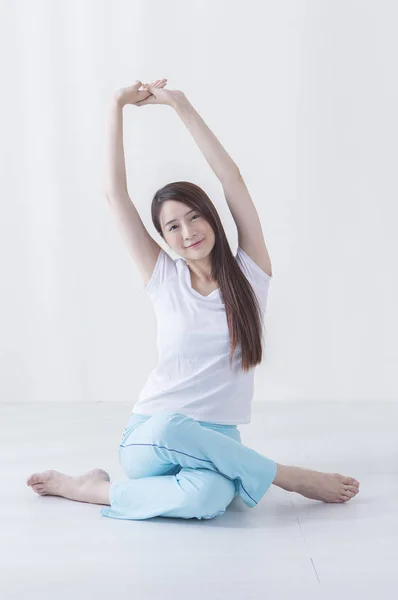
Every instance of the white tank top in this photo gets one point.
(193, 375)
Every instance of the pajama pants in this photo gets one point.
(179, 467)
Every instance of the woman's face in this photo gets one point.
(187, 227)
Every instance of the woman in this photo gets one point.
(181, 449)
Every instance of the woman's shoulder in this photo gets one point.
(165, 268)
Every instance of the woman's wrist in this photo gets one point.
(117, 100)
(179, 100)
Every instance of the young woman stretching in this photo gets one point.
(181, 449)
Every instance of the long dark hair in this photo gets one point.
(243, 312)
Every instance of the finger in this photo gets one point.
(149, 87)
(158, 83)
(152, 88)
(150, 100)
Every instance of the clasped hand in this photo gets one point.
(141, 94)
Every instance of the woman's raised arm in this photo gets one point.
(141, 246)
(115, 167)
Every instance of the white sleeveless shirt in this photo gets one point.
(193, 375)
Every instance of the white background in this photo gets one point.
(303, 95)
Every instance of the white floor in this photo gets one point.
(287, 546)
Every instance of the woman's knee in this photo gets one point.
(136, 454)
(212, 497)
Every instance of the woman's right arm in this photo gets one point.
(115, 167)
(141, 246)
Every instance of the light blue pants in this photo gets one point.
(179, 467)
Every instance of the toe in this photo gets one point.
(353, 489)
(43, 477)
(33, 479)
(348, 493)
(350, 481)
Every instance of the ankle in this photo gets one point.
(285, 478)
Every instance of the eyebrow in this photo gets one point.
(187, 213)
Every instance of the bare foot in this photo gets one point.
(327, 487)
(83, 488)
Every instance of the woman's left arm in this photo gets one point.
(240, 203)
(217, 157)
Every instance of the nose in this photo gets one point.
(189, 235)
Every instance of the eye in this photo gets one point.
(171, 228)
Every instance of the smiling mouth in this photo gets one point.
(194, 245)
